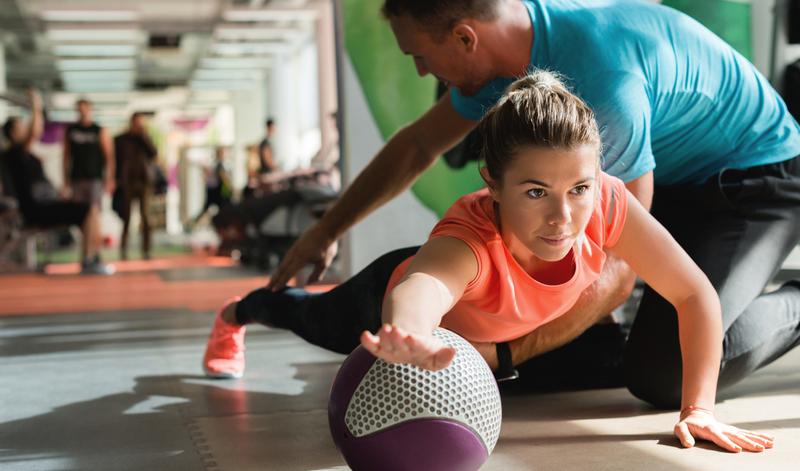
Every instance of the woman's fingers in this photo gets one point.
(718, 437)
(394, 345)
(682, 432)
(764, 439)
(443, 357)
(369, 341)
(744, 442)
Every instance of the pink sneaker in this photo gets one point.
(224, 356)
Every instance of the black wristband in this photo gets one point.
(505, 367)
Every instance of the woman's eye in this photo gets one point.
(580, 189)
(536, 193)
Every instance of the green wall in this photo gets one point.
(729, 19)
(397, 96)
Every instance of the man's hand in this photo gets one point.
(34, 98)
(488, 351)
(312, 247)
(394, 345)
(702, 424)
(111, 185)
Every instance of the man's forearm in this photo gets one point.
(391, 172)
(609, 291)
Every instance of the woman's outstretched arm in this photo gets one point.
(434, 282)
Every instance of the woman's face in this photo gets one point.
(545, 200)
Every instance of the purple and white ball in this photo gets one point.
(399, 417)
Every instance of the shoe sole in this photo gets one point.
(221, 374)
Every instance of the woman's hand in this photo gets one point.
(394, 345)
(702, 424)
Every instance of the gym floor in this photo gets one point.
(104, 373)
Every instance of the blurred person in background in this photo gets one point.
(135, 176)
(88, 158)
(219, 188)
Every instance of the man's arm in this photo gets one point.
(407, 154)
(611, 290)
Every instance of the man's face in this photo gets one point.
(443, 57)
(84, 110)
(137, 124)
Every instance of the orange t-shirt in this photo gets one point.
(504, 302)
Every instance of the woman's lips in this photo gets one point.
(556, 241)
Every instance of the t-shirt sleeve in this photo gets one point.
(623, 113)
(447, 228)
(614, 199)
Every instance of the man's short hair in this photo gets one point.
(439, 16)
(270, 122)
(82, 101)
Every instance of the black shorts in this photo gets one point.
(56, 213)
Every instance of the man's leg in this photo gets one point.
(127, 200)
(739, 227)
(332, 320)
(143, 196)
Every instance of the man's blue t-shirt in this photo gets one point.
(669, 95)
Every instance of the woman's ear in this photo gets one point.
(490, 183)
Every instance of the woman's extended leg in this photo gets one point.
(332, 320)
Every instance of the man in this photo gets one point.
(135, 156)
(88, 158)
(681, 114)
(266, 159)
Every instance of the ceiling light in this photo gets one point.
(92, 34)
(235, 63)
(269, 14)
(86, 87)
(100, 50)
(228, 74)
(95, 64)
(221, 84)
(89, 15)
(95, 75)
(238, 32)
(246, 48)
